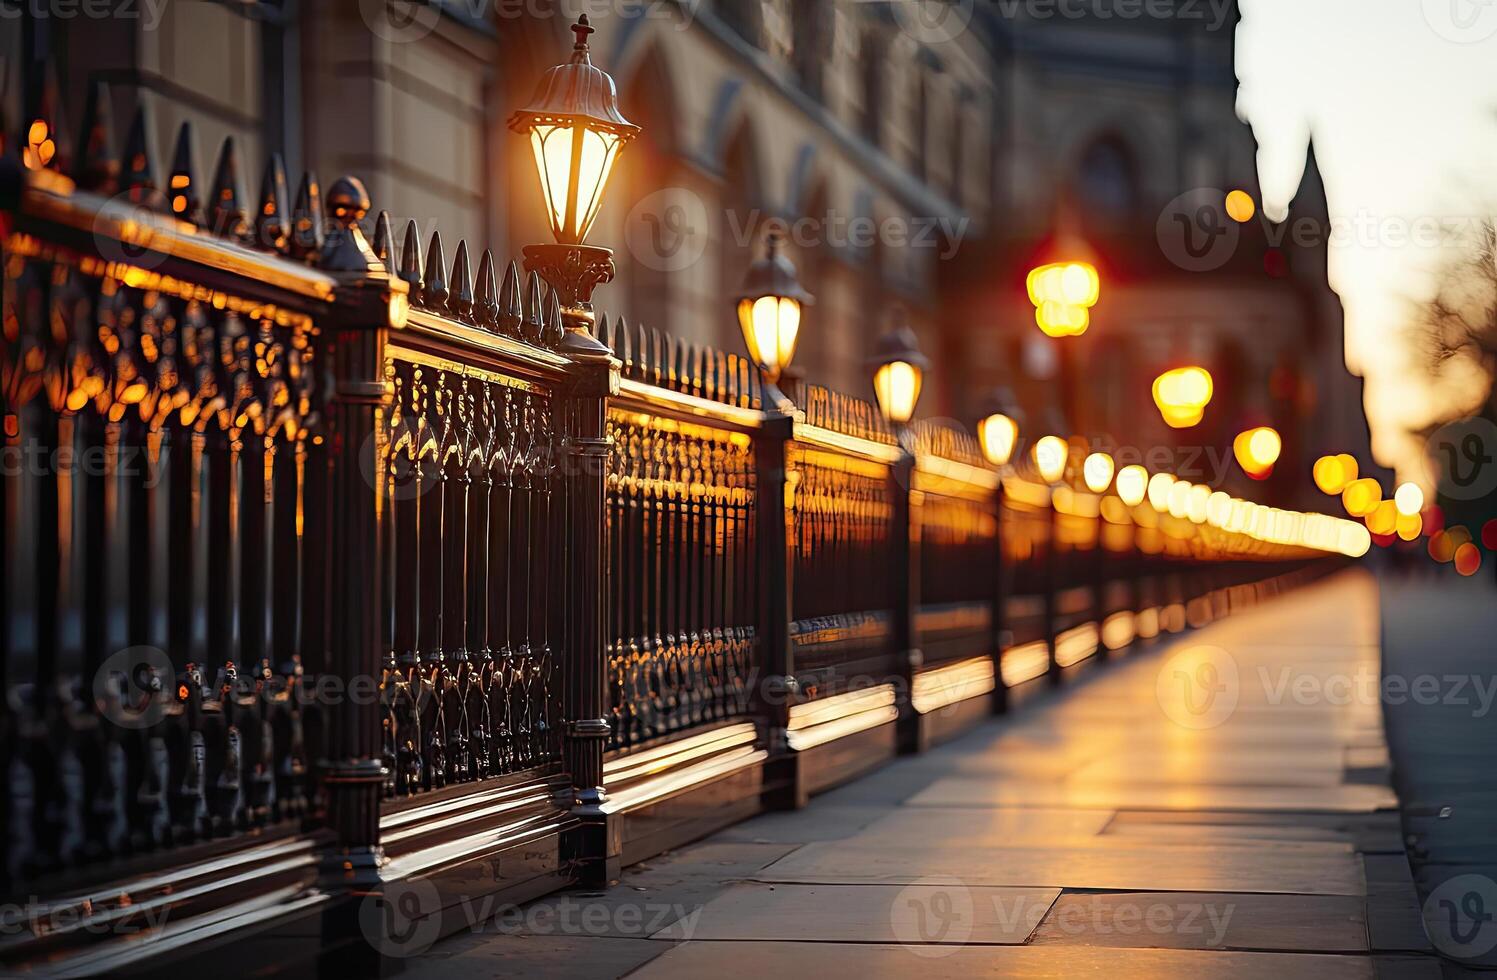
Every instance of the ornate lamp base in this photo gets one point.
(573, 271)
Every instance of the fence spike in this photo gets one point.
(641, 353)
(462, 283)
(606, 331)
(533, 312)
(410, 261)
(552, 332)
(510, 313)
(271, 231)
(139, 175)
(182, 185)
(384, 241)
(226, 210)
(720, 375)
(623, 345)
(98, 168)
(487, 309)
(306, 218)
(435, 290)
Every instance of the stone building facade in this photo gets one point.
(920, 158)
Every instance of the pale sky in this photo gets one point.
(1401, 99)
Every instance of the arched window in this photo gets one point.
(1107, 185)
(746, 17)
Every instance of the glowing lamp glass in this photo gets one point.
(998, 434)
(1050, 455)
(771, 329)
(897, 386)
(1097, 472)
(573, 161)
(1133, 484)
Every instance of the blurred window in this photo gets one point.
(746, 17)
(1107, 185)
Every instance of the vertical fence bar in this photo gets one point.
(904, 572)
(998, 620)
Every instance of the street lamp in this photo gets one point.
(998, 429)
(898, 372)
(576, 132)
(1051, 453)
(1133, 484)
(769, 314)
(1097, 472)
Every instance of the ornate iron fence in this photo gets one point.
(328, 568)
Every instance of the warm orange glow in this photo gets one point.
(1063, 293)
(998, 434)
(1468, 559)
(1257, 450)
(1159, 491)
(1409, 526)
(897, 386)
(1097, 472)
(1361, 496)
(1409, 499)
(1383, 519)
(1050, 455)
(771, 328)
(1133, 484)
(1240, 206)
(564, 152)
(40, 148)
(1182, 396)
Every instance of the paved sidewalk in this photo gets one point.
(1214, 808)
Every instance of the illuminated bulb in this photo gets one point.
(1097, 472)
(1159, 491)
(1133, 484)
(1050, 454)
(1409, 499)
(998, 434)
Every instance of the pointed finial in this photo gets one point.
(434, 292)
(98, 167)
(345, 249)
(226, 208)
(641, 353)
(384, 241)
(139, 177)
(306, 218)
(604, 329)
(410, 260)
(582, 29)
(271, 228)
(486, 310)
(511, 314)
(462, 283)
(553, 332)
(623, 345)
(182, 190)
(533, 312)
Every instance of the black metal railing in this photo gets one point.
(318, 540)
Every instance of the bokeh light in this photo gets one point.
(1257, 450)
(1409, 498)
(1063, 294)
(1409, 526)
(1159, 491)
(1468, 559)
(1361, 497)
(1240, 206)
(1182, 395)
(1097, 472)
(1489, 535)
(1050, 454)
(1133, 484)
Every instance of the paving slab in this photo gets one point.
(932, 911)
(958, 791)
(1186, 920)
(1128, 866)
(819, 961)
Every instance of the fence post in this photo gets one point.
(904, 535)
(1000, 608)
(586, 449)
(1052, 555)
(777, 688)
(368, 300)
